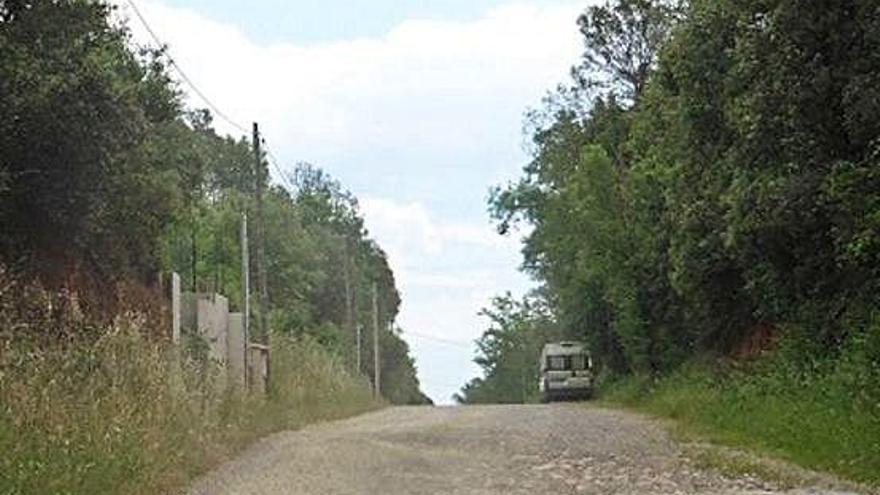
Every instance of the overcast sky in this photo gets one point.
(415, 106)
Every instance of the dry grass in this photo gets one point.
(112, 411)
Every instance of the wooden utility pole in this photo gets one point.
(358, 348)
(261, 237)
(346, 277)
(217, 289)
(377, 390)
(245, 292)
(194, 254)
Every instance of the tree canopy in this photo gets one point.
(710, 171)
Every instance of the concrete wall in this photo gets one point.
(188, 311)
(175, 308)
(235, 350)
(208, 315)
(213, 325)
(258, 367)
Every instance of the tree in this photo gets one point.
(508, 351)
(621, 43)
(81, 184)
(733, 190)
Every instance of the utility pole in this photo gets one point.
(261, 237)
(245, 293)
(218, 288)
(193, 240)
(377, 390)
(359, 348)
(351, 322)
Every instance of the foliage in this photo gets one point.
(621, 41)
(399, 384)
(508, 350)
(822, 415)
(82, 185)
(737, 190)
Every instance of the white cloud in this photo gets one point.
(420, 249)
(429, 111)
(409, 224)
(442, 280)
(367, 92)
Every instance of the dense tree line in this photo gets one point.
(709, 184)
(106, 179)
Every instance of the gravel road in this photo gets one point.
(534, 449)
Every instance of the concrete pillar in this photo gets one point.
(189, 311)
(175, 308)
(258, 360)
(212, 323)
(235, 350)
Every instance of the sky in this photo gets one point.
(416, 107)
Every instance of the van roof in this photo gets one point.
(564, 348)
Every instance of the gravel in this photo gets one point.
(505, 449)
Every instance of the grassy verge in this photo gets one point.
(121, 414)
(824, 417)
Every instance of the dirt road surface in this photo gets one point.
(552, 449)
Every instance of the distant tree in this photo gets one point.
(508, 351)
(400, 385)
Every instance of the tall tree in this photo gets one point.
(621, 42)
(81, 182)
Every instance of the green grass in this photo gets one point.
(120, 415)
(825, 417)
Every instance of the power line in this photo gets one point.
(278, 169)
(439, 340)
(182, 74)
(219, 113)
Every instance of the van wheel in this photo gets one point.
(546, 396)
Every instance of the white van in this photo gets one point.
(566, 371)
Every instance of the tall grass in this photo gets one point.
(117, 412)
(822, 415)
